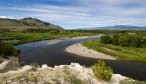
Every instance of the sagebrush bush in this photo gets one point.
(102, 71)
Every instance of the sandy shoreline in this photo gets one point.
(56, 41)
(83, 37)
(81, 50)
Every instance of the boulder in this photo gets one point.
(7, 66)
(27, 68)
(116, 78)
(44, 66)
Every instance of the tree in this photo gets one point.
(144, 42)
(135, 41)
(102, 71)
(123, 40)
(115, 39)
(105, 39)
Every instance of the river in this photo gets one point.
(42, 52)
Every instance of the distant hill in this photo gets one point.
(26, 23)
(122, 27)
(116, 27)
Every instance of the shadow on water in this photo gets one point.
(42, 53)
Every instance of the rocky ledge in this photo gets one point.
(63, 74)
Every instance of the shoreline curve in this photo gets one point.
(81, 50)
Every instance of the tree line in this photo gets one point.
(124, 40)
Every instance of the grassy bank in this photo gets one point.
(123, 53)
(37, 35)
(20, 37)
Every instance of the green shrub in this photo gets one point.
(8, 50)
(102, 71)
(112, 47)
(105, 39)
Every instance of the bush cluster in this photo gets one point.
(102, 71)
(123, 40)
(53, 31)
(8, 50)
(105, 39)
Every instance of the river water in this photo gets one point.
(42, 52)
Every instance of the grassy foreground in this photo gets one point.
(123, 53)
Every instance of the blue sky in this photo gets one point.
(71, 14)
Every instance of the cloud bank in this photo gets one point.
(78, 13)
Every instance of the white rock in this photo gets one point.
(27, 67)
(62, 66)
(116, 78)
(77, 65)
(7, 66)
(56, 66)
(20, 70)
(45, 66)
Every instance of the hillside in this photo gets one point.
(25, 23)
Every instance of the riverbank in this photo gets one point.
(82, 37)
(21, 37)
(41, 53)
(122, 53)
(81, 50)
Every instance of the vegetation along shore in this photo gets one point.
(128, 46)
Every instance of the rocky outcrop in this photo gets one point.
(6, 66)
(63, 74)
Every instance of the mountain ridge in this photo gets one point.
(116, 27)
(26, 23)
(127, 27)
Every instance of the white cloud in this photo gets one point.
(10, 17)
(6, 17)
(89, 12)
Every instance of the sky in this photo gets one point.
(71, 14)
